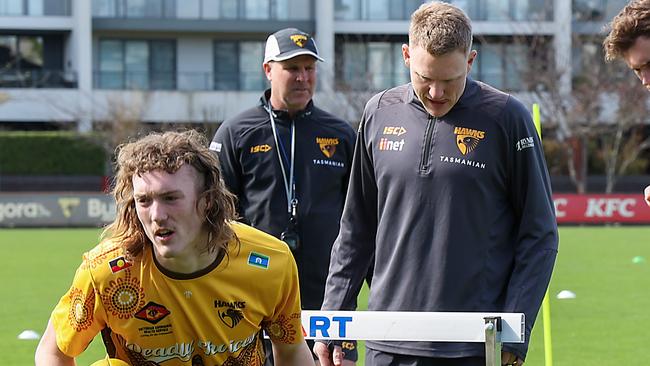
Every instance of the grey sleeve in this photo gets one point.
(537, 236)
(353, 250)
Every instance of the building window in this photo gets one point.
(596, 10)
(507, 10)
(504, 65)
(375, 9)
(35, 7)
(36, 61)
(198, 9)
(137, 64)
(238, 65)
(373, 65)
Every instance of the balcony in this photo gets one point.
(187, 81)
(35, 8)
(38, 78)
(203, 9)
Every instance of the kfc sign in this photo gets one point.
(601, 208)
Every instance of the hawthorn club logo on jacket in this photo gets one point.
(467, 139)
(327, 145)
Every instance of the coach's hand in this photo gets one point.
(328, 356)
(508, 358)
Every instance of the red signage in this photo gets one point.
(601, 208)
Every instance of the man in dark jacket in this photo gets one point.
(288, 162)
(450, 193)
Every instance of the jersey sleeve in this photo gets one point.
(79, 316)
(537, 237)
(285, 324)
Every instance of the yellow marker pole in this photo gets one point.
(546, 305)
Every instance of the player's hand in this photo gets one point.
(328, 356)
(646, 193)
(508, 358)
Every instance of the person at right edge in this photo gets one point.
(629, 39)
(450, 193)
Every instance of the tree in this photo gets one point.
(601, 117)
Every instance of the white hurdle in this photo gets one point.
(493, 329)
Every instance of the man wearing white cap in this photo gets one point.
(288, 162)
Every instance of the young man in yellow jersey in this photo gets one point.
(175, 280)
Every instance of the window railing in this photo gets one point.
(482, 10)
(37, 79)
(148, 80)
(35, 8)
(201, 9)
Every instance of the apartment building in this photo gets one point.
(74, 63)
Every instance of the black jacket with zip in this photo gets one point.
(251, 170)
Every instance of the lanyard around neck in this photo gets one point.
(289, 184)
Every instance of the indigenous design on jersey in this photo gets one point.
(81, 309)
(252, 355)
(123, 296)
(327, 145)
(467, 139)
(283, 329)
(99, 254)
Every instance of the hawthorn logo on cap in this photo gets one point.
(299, 39)
(119, 264)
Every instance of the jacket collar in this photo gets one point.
(281, 114)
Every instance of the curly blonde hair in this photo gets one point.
(630, 23)
(169, 151)
(440, 28)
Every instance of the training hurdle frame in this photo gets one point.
(493, 329)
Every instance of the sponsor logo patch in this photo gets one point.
(215, 146)
(152, 313)
(394, 130)
(467, 139)
(119, 264)
(390, 145)
(260, 148)
(525, 143)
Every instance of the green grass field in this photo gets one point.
(606, 324)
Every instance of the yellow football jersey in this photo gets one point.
(151, 316)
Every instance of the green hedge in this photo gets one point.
(50, 153)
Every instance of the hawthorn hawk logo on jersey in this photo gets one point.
(233, 314)
(299, 39)
(467, 139)
(327, 145)
(152, 313)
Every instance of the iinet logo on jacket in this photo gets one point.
(389, 145)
